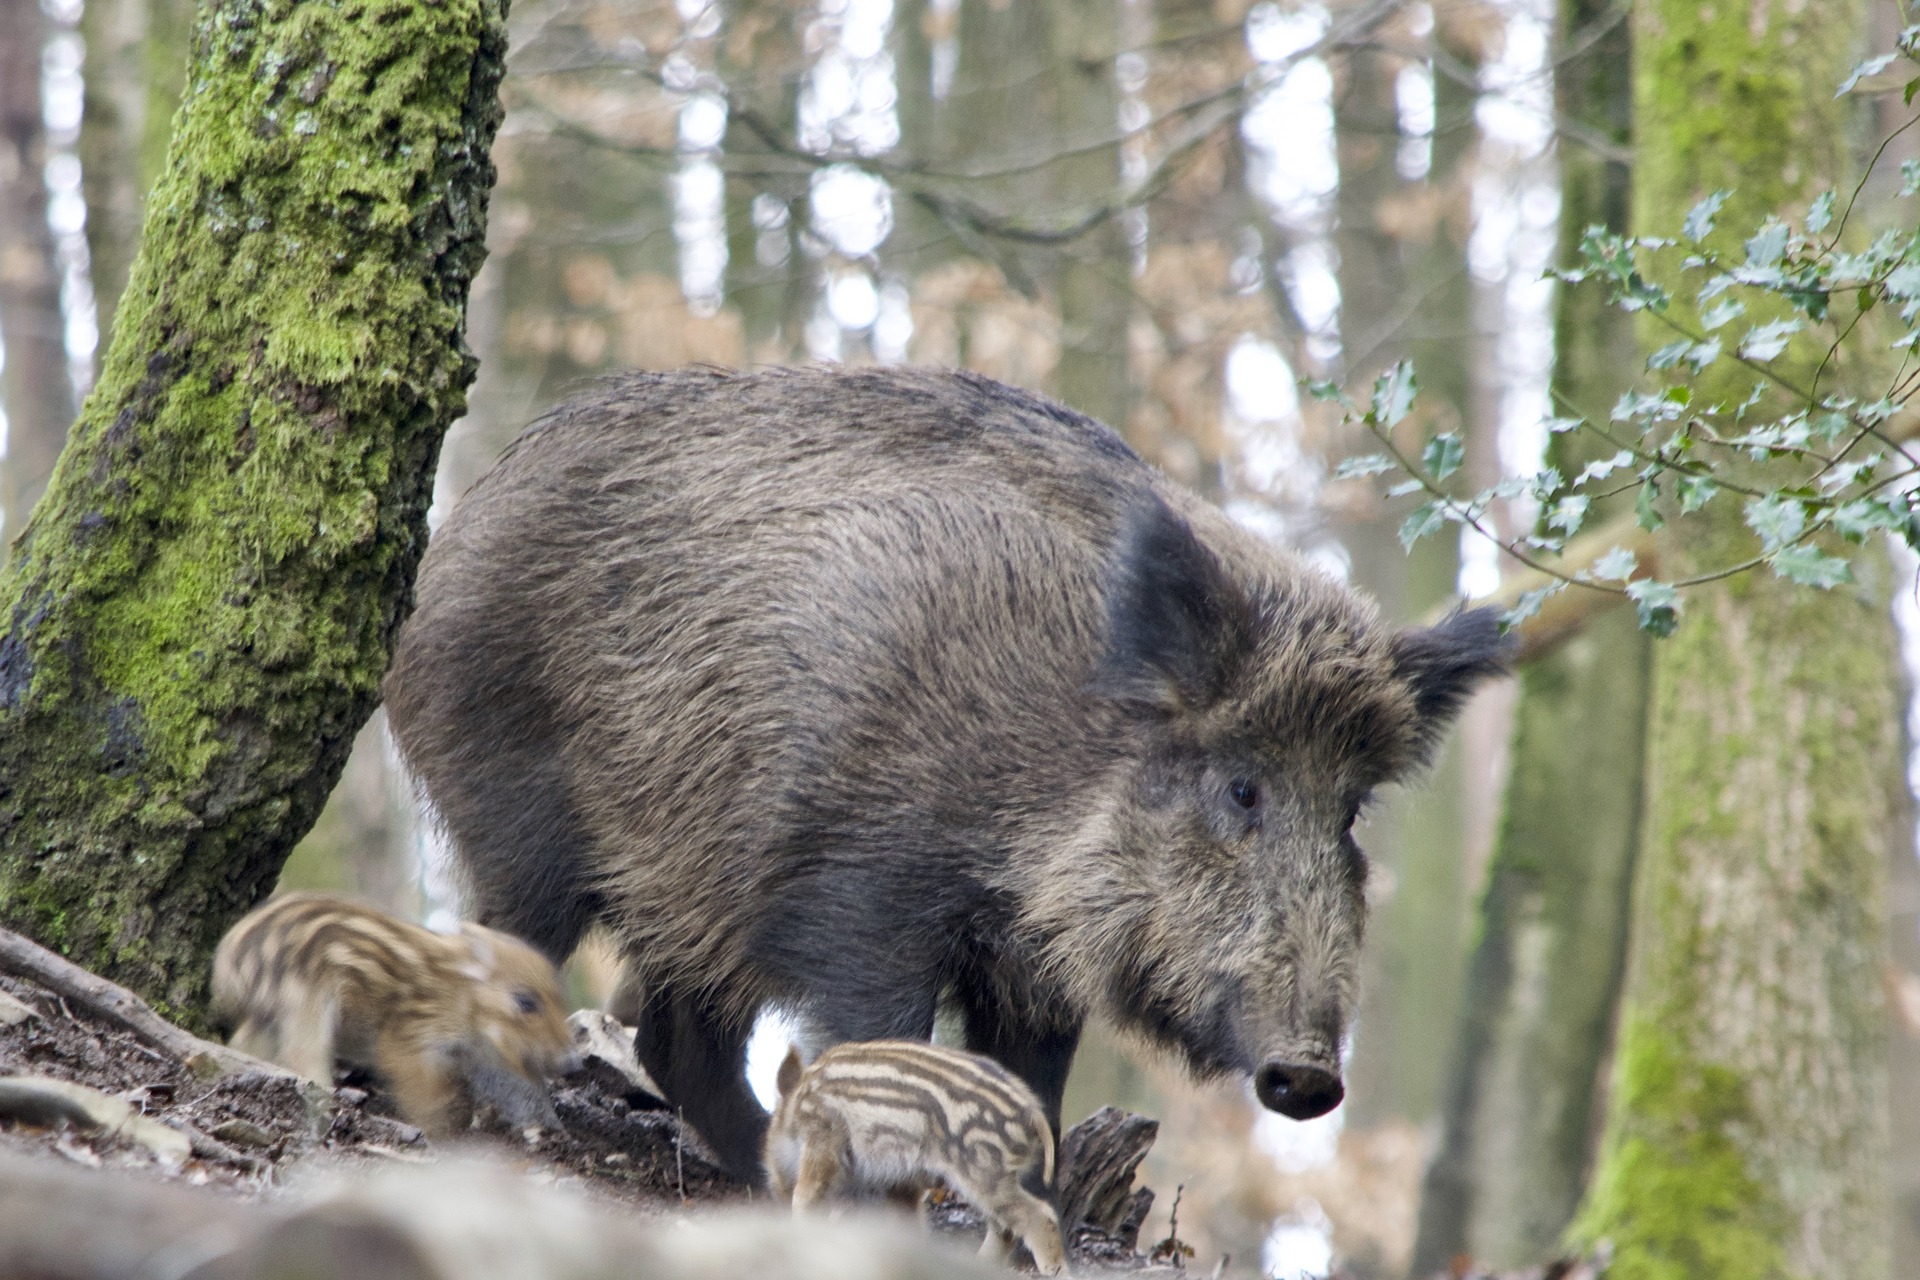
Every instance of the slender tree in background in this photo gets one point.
(136, 60)
(1413, 977)
(39, 393)
(1551, 941)
(199, 614)
(1746, 1127)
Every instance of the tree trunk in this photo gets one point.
(1518, 1126)
(38, 392)
(200, 613)
(1413, 973)
(1746, 1133)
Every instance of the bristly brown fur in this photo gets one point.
(855, 690)
(445, 1019)
(895, 1118)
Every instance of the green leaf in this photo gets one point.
(1777, 519)
(1831, 426)
(1765, 341)
(1668, 356)
(1616, 566)
(1324, 389)
(1393, 393)
(1443, 455)
(1820, 213)
(1529, 604)
(1871, 67)
(1658, 605)
(1768, 245)
(1601, 468)
(1910, 170)
(1906, 94)
(1569, 513)
(1695, 492)
(1811, 567)
(1703, 354)
(1699, 220)
(1720, 313)
(1858, 519)
(1426, 518)
(1406, 487)
(1643, 508)
(1369, 464)
(1560, 426)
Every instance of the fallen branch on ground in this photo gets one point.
(24, 958)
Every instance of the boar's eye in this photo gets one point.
(1244, 793)
(526, 1002)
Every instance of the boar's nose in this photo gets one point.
(1297, 1092)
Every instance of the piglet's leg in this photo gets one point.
(427, 1086)
(307, 1028)
(819, 1174)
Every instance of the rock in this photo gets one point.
(14, 1011)
(242, 1133)
(607, 1059)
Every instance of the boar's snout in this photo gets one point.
(1297, 1091)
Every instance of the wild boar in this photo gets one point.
(446, 1020)
(853, 691)
(899, 1117)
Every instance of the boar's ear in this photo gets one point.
(1176, 622)
(1444, 663)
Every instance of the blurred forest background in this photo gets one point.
(1166, 213)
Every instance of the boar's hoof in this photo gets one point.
(1297, 1092)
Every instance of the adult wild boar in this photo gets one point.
(851, 691)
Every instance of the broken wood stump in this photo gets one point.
(1098, 1160)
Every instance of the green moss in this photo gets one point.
(202, 608)
(1675, 1195)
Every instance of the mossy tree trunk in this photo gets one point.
(37, 387)
(1545, 974)
(200, 611)
(1746, 1131)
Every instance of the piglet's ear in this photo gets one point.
(480, 954)
(790, 1069)
(1445, 663)
(1177, 624)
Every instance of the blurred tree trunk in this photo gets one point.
(1412, 978)
(1535, 1028)
(136, 62)
(1747, 1116)
(200, 612)
(1094, 274)
(37, 388)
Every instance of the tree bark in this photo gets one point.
(1746, 1133)
(199, 614)
(1537, 1023)
(38, 392)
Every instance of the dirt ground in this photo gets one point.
(254, 1132)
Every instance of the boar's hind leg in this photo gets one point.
(701, 1065)
(1039, 1054)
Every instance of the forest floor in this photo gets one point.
(249, 1135)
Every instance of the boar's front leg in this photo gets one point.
(700, 1062)
(1038, 1049)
